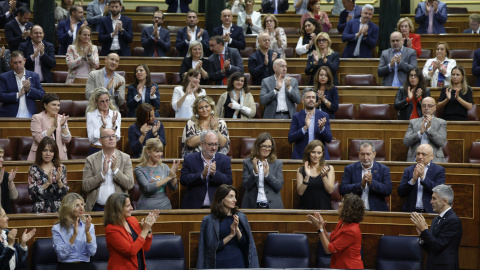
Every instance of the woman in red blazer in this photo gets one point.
(127, 240)
(345, 241)
(411, 40)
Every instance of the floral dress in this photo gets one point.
(46, 200)
(191, 130)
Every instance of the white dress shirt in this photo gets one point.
(23, 111)
(366, 189)
(419, 202)
(115, 42)
(184, 111)
(108, 187)
(282, 97)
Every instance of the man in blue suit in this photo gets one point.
(67, 29)
(155, 38)
(351, 11)
(431, 15)
(8, 10)
(173, 6)
(368, 179)
(474, 24)
(203, 172)
(232, 34)
(232, 61)
(476, 66)
(191, 33)
(19, 102)
(308, 125)
(18, 30)
(418, 181)
(115, 31)
(275, 6)
(361, 35)
(40, 55)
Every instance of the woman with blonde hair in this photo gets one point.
(195, 60)
(153, 177)
(410, 39)
(278, 38)
(237, 101)
(82, 57)
(101, 114)
(323, 56)
(204, 118)
(73, 235)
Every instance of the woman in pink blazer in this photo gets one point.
(50, 123)
(82, 57)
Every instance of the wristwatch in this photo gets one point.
(320, 230)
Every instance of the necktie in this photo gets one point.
(155, 49)
(430, 21)
(222, 62)
(356, 53)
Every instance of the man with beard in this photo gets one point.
(67, 29)
(360, 35)
(155, 39)
(191, 33)
(18, 30)
(368, 179)
(308, 125)
(115, 31)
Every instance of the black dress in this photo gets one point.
(453, 110)
(234, 253)
(134, 235)
(315, 196)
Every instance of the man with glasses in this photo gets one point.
(427, 129)
(155, 39)
(106, 172)
(395, 63)
(204, 171)
(474, 24)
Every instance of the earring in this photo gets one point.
(212, 113)
(196, 115)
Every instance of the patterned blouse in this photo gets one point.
(75, 61)
(46, 200)
(274, 43)
(191, 130)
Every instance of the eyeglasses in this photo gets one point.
(160, 18)
(108, 137)
(267, 147)
(413, 76)
(212, 144)
(322, 40)
(428, 106)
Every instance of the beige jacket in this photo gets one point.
(247, 102)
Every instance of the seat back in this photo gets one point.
(135, 195)
(461, 54)
(23, 148)
(399, 252)
(276, 255)
(379, 148)
(100, 259)
(335, 150)
(248, 78)
(246, 147)
(176, 78)
(23, 204)
(166, 252)
(374, 112)
(121, 73)
(289, 53)
(258, 113)
(60, 76)
(335, 197)
(345, 111)
(138, 51)
(323, 259)
(297, 77)
(79, 148)
(474, 156)
(140, 26)
(291, 30)
(446, 152)
(149, 9)
(79, 108)
(473, 114)
(43, 255)
(159, 78)
(9, 153)
(174, 28)
(359, 80)
(66, 107)
(245, 53)
(426, 53)
(457, 10)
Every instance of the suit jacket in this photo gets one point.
(187, 65)
(346, 246)
(191, 177)
(333, 63)
(5, 61)
(257, 68)
(6, 254)
(437, 138)
(342, 20)
(215, 71)
(173, 5)
(92, 176)
(182, 43)
(268, 98)
(4, 8)
(300, 140)
(95, 79)
(122, 249)
(47, 60)
(405, 108)
(439, 18)
(95, 14)
(367, 44)
(132, 104)
(380, 188)
(134, 134)
(236, 34)
(476, 66)
(268, 6)
(408, 62)
(9, 90)
(273, 184)
(468, 31)
(162, 45)
(13, 34)
(435, 176)
(442, 241)
(63, 38)
(41, 123)
(124, 38)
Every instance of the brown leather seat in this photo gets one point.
(23, 204)
(457, 10)
(258, 113)
(248, 77)
(135, 195)
(247, 52)
(138, 51)
(291, 30)
(426, 53)
(335, 150)
(359, 80)
(461, 54)
(174, 28)
(335, 197)
(473, 114)
(149, 9)
(289, 53)
(474, 156)
(298, 77)
(446, 152)
(158, 77)
(121, 73)
(379, 148)
(24, 146)
(345, 111)
(246, 147)
(78, 148)
(140, 26)
(9, 153)
(374, 112)
(333, 31)
(60, 76)
(79, 108)
(66, 107)
(176, 79)
(173, 51)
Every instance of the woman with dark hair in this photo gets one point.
(262, 176)
(345, 241)
(226, 240)
(8, 191)
(249, 19)
(142, 91)
(323, 56)
(49, 123)
(195, 60)
(144, 128)
(327, 93)
(127, 239)
(408, 101)
(316, 179)
(73, 235)
(314, 12)
(439, 69)
(456, 99)
(237, 101)
(306, 43)
(185, 94)
(47, 178)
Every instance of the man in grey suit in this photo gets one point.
(395, 63)
(108, 78)
(223, 62)
(427, 129)
(279, 93)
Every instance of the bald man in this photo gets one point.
(418, 181)
(232, 34)
(260, 63)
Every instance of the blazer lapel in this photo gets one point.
(358, 171)
(227, 54)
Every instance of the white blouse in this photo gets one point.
(94, 122)
(434, 79)
(185, 111)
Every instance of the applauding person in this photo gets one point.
(185, 95)
(237, 101)
(409, 98)
(277, 35)
(323, 56)
(82, 57)
(6, 183)
(439, 69)
(142, 91)
(457, 99)
(194, 59)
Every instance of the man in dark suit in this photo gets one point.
(115, 32)
(203, 172)
(308, 125)
(40, 55)
(19, 102)
(396, 63)
(443, 239)
(232, 34)
(8, 10)
(361, 35)
(173, 6)
(191, 33)
(368, 179)
(418, 181)
(437, 11)
(476, 66)
(223, 62)
(260, 63)
(18, 30)
(5, 58)
(67, 29)
(351, 11)
(474, 24)
(155, 38)
(275, 6)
